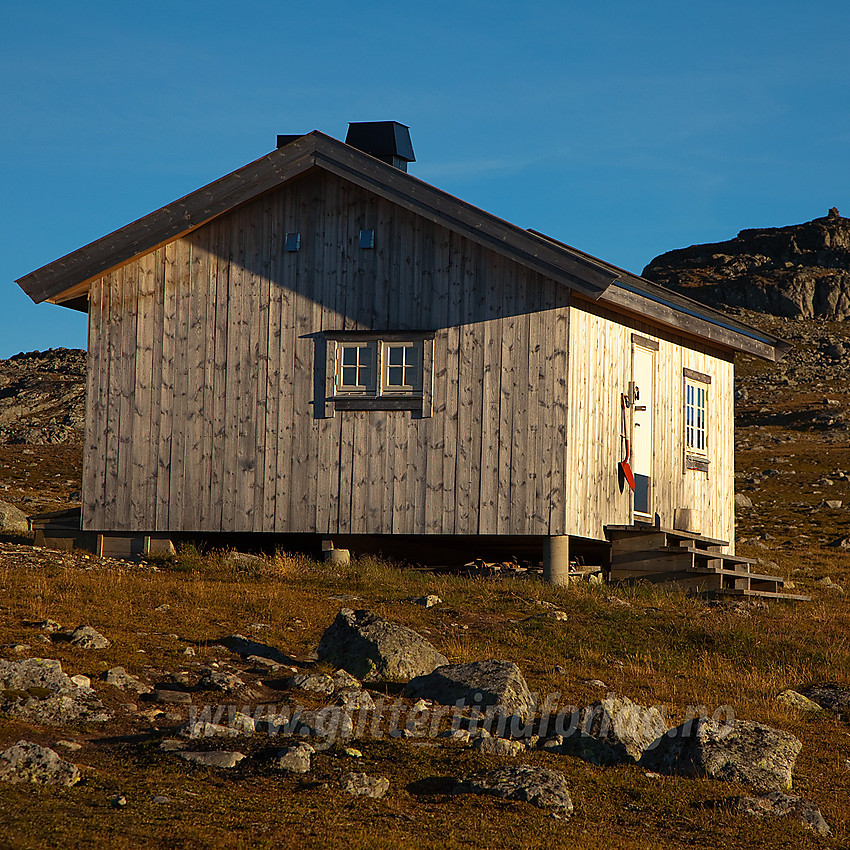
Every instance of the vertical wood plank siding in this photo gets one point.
(600, 358)
(203, 384)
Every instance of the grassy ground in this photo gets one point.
(661, 647)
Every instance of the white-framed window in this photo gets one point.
(379, 370)
(696, 415)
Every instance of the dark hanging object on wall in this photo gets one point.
(388, 141)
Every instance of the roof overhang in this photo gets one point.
(66, 281)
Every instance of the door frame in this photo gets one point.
(648, 347)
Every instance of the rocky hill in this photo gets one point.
(43, 397)
(802, 270)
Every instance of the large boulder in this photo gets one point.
(36, 690)
(28, 762)
(546, 789)
(12, 521)
(481, 684)
(370, 647)
(741, 751)
(614, 731)
(831, 697)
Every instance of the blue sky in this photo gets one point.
(625, 129)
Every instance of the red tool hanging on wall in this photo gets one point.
(624, 464)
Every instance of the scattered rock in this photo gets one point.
(614, 731)
(36, 690)
(49, 626)
(793, 699)
(355, 699)
(343, 680)
(741, 751)
(189, 651)
(362, 785)
(118, 677)
(499, 746)
(499, 684)
(12, 521)
(546, 789)
(214, 758)
(316, 682)
(830, 696)
(295, 759)
(742, 501)
(219, 680)
(428, 601)
(459, 735)
(159, 799)
(370, 647)
(171, 696)
(68, 745)
(85, 637)
(117, 801)
(243, 561)
(330, 723)
(28, 762)
(162, 609)
(778, 804)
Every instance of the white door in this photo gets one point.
(643, 386)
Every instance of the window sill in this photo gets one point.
(700, 464)
(412, 402)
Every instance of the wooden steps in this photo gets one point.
(697, 563)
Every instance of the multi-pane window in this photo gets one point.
(696, 417)
(402, 367)
(357, 367)
(379, 368)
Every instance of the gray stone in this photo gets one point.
(344, 681)
(117, 801)
(777, 804)
(36, 690)
(793, 699)
(85, 637)
(499, 684)
(370, 647)
(214, 758)
(118, 677)
(295, 759)
(12, 521)
(171, 696)
(219, 680)
(615, 731)
(319, 683)
(330, 723)
(49, 626)
(742, 501)
(428, 601)
(546, 789)
(741, 751)
(362, 785)
(243, 561)
(159, 799)
(355, 699)
(830, 696)
(28, 762)
(499, 746)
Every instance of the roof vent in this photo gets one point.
(388, 141)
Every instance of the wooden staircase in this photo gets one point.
(654, 554)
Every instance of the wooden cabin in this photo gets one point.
(320, 343)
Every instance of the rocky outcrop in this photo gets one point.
(363, 785)
(546, 789)
(742, 751)
(802, 270)
(12, 520)
(370, 647)
(481, 684)
(42, 397)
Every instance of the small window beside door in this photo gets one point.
(697, 394)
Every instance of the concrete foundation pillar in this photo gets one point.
(556, 559)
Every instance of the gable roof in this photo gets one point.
(66, 280)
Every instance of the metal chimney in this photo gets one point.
(388, 141)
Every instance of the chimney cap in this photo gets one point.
(387, 140)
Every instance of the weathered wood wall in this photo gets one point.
(600, 359)
(201, 390)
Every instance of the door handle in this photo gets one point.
(640, 407)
